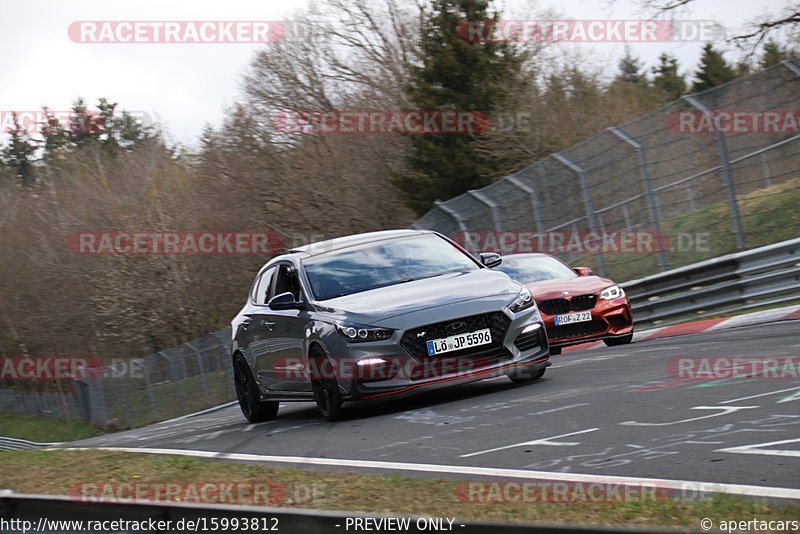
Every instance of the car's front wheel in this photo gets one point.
(325, 387)
(255, 410)
(617, 341)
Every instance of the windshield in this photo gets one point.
(531, 269)
(385, 263)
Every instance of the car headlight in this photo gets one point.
(613, 292)
(359, 333)
(523, 301)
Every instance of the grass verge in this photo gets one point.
(58, 472)
(45, 429)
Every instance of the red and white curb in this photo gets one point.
(786, 313)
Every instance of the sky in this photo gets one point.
(184, 86)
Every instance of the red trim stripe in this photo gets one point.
(448, 379)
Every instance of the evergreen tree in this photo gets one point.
(54, 135)
(666, 77)
(742, 68)
(713, 71)
(84, 125)
(631, 70)
(454, 72)
(773, 53)
(19, 152)
(109, 139)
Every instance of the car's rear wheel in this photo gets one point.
(555, 351)
(617, 341)
(521, 377)
(255, 410)
(325, 387)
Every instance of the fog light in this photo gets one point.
(371, 361)
(531, 328)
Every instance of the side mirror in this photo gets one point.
(284, 301)
(583, 271)
(490, 259)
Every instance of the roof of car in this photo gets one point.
(353, 240)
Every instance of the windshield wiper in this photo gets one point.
(425, 276)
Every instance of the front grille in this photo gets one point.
(530, 340)
(440, 366)
(577, 303)
(416, 345)
(577, 329)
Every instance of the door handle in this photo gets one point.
(245, 324)
(270, 325)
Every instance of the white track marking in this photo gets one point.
(793, 397)
(561, 408)
(543, 441)
(202, 412)
(757, 449)
(759, 395)
(725, 411)
(733, 489)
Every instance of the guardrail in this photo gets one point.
(14, 444)
(763, 276)
(33, 508)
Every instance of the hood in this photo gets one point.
(447, 289)
(581, 285)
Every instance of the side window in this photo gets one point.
(288, 281)
(262, 290)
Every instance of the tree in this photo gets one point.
(631, 70)
(773, 53)
(666, 77)
(19, 152)
(713, 70)
(54, 135)
(454, 72)
(84, 126)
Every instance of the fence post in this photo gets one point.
(765, 169)
(97, 396)
(649, 194)
(148, 386)
(173, 374)
(792, 66)
(534, 198)
(452, 213)
(689, 195)
(481, 197)
(202, 372)
(587, 206)
(82, 395)
(725, 174)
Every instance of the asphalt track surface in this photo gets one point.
(607, 412)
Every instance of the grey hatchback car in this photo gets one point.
(379, 316)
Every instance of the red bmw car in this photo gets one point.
(576, 306)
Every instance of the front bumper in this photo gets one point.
(523, 348)
(610, 318)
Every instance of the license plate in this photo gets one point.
(573, 318)
(459, 341)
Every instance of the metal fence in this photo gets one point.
(128, 393)
(652, 175)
